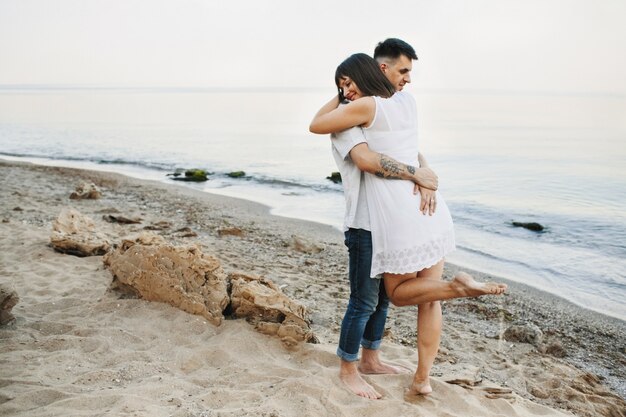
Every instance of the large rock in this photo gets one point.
(86, 191)
(76, 234)
(262, 303)
(182, 276)
(8, 300)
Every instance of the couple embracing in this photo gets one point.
(397, 227)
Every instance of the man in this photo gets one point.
(364, 321)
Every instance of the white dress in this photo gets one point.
(403, 239)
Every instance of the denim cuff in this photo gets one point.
(368, 344)
(348, 357)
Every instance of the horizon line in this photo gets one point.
(290, 89)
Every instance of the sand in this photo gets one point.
(78, 349)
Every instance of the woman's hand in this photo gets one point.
(428, 204)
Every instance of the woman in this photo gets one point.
(408, 246)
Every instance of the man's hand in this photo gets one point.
(428, 204)
(426, 178)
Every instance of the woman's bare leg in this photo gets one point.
(426, 289)
(429, 323)
(407, 289)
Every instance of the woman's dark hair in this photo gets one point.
(365, 72)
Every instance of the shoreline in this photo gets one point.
(590, 339)
(270, 211)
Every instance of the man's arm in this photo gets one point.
(385, 167)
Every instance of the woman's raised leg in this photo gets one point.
(426, 289)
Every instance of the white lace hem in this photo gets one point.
(413, 259)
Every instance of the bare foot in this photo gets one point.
(359, 386)
(469, 287)
(420, 387)
(382, 368)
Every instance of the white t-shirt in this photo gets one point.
(357, 213)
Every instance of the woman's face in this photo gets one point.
(350, 89)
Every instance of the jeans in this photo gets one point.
(364, 321)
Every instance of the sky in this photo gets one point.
(558, 46)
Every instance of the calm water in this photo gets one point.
(556, 160)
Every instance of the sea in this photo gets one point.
(552, 158)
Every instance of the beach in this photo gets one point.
(77, 348)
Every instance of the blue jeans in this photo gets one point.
(364, 321)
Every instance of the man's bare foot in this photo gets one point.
(420, 387)
(380, 368)
(359, 386)
(371, 364)
(469, 287)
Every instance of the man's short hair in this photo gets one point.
(393, 48)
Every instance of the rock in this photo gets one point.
(186, 232)
(160, 225)
(236, 174)
(590, 379)
(497, 390)
(8, 300)
(230, 231)
(524, 333)
(86, 191)
(196, 175)
(535, 227)
(465, 375)
(334, 177)
(300, 245)
(121, 219)
(539, 392)
(193, 175)
(182, 276)
(17, 209)
(75, 234)
(554, 348)
(262, 303)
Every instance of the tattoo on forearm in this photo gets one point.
(391, 169)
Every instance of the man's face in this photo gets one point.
(398, 71)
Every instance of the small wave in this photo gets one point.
(159, 166)
(294, 183)
(168, 167)
(516, 263)
(599, 235)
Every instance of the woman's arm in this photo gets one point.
(330, 118)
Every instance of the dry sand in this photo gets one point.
(78, 349)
